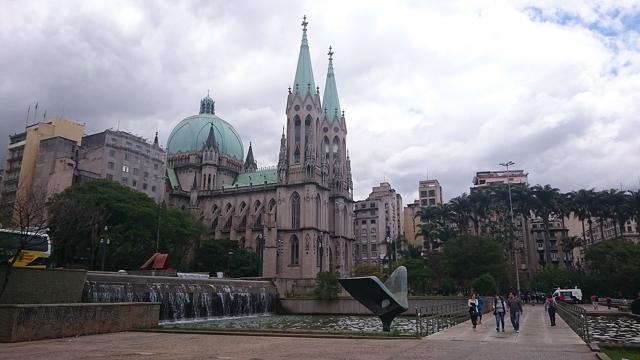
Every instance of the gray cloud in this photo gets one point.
(444, 88)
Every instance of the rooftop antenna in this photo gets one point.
(35, 112)
(118, 128)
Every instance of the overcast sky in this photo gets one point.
(440, 89)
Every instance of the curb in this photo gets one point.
(276, 334)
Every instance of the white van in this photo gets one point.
(569, 295)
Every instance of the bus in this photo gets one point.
(36, 248)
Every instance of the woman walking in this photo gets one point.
(473, 309)
(550, 306)
(499, 309)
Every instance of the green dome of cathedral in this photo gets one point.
(192, 132)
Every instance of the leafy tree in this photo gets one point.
(484, 284)
(417, 275)
(467, 256)
(226, 256)
(550, 278)
(83, 214)
(327, 286)
(616, 263)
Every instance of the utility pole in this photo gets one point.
(515, 243)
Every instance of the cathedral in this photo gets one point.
(297, 216)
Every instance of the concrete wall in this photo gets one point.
(141, 283)
(349, 306)
(33, 322)
(37, 286)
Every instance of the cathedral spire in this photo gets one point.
(250, 164)
(303, 81)
(155, 140)
(211, 139)
(330, 101)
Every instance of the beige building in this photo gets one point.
(379, 221)
(22, 156)
(487, 178)
(126, 158)
(297, 216)
(429, 194)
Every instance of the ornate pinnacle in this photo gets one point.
(304, 23)
(330, 53)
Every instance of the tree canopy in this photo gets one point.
(84, 214)
(467, 257)
(226, 256)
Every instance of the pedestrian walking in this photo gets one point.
(594, 301)
(515, 310)
(550, 306)
(480, 308)
(499, 309)
(609, 302)
(473, 309)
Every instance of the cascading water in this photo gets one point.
(180, 302)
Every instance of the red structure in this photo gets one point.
(157, 261)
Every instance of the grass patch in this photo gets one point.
(619, 354)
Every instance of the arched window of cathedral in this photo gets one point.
(336, 145)
(209, 183)
(344, 223)
(256, 206)
(243, 223)
(214, 225)
(296, 138)
(307, 129)
(295, 250)
(272, 205)
(203, 183)
(215, 208)
(242, 206)
(259, 220)
(325, 145)
(295, 211)
(227, 208)
(227, 225)
(260, 246)
(318, 210)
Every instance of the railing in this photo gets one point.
(433, 319)
(576, 318)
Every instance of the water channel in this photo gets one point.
(614, 329)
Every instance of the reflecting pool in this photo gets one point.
(614, 329)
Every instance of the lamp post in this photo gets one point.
(515, 245)
(230, 253)
(104, 243)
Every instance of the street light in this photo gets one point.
(515, 246)
(104, 243)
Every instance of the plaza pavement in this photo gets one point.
(536, 340)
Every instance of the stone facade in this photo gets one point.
(379, 221)
(126, 158)
(298, 215)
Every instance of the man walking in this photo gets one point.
(515, 310)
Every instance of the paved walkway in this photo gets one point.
(535, 341)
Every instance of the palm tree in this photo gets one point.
(544, 205)
(579, 205)
(480, 203)
(461, 207)
(634, 207)
(568, 244)
(619, 209)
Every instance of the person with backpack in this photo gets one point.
(550, 306)
(473, 309)
(499, 309)
(480, 308)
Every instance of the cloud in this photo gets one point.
(439, 89)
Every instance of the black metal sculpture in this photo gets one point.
(386, 300)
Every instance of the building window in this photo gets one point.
(373, 213)
(432, 193)
(155, 166)
(144, 186)
(318, 210)
(153, 188)
(424, 202)
(110, 165)
(126, 156)
(125, 180)
(364, 222)
(112, 152)
(374, 247)
(423, 193)
(295, 248)
(114, 140)
(432, 201)
(364, 232)
(373, 230)
(295, 211)
(125, 169)
(128, 143)
(134, 183)
(109, 177)
(373, 221)
(146, 175)
(372, 205)
(135, 171)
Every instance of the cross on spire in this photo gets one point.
(330, 53)
(304, 23)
